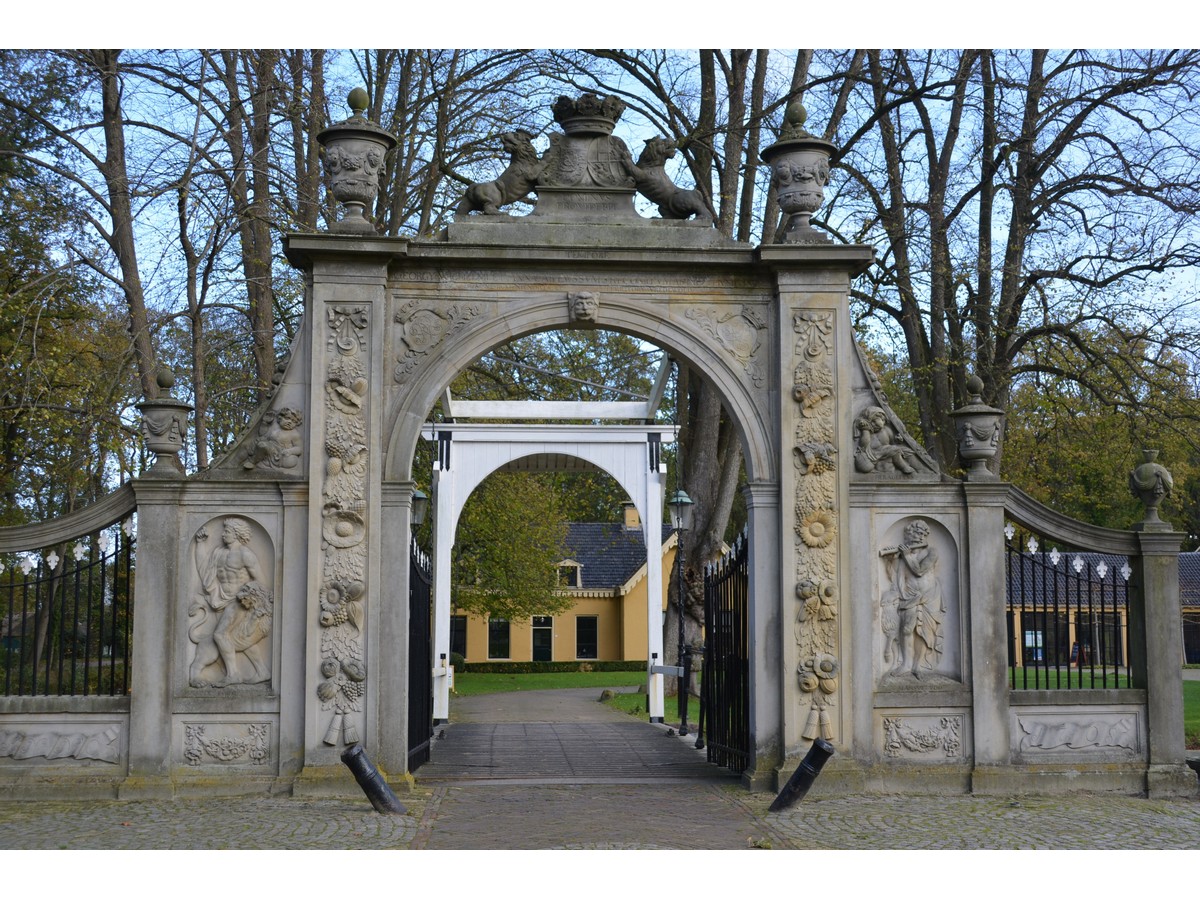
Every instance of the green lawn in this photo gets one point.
(635, 705)
(470, 684)
(1030, 678)
(1191, 714)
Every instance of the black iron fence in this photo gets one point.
(725, 678)
(1068, 614)
(66, 615)
(420, 664)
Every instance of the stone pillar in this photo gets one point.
(346, 673)
(815, 405)
(293, 617)
(1156, 657)
(151, 675)
(764, 627)
(391, 627)
(985, 622)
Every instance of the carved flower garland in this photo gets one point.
(816, 526)
(343, 527)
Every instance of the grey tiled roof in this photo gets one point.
(607, 552)
(1032, 574)
(1189, 579)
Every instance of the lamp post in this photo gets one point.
(680, 506)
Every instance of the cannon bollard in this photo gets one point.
(804, 776)
(381, 796)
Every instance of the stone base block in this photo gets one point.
(201, 786)
(1172, 782)
(325, 781)
(840, 777)
(1044, 780)
(58, 788)
(146, 787)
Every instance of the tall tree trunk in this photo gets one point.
(116, 179)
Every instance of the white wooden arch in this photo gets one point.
(467, 453)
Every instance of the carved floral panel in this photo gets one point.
(227, 744)
(343, 668)
(814, 455)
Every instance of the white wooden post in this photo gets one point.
(443, 544)
(652, 517)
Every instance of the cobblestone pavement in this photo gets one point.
(525, 816)
(655, 809)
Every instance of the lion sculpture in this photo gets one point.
(514, 183)
(652, 182)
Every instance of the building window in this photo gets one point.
(568, 575)
(543, 638)
(498, 639)
(586, 641)
(458, 635)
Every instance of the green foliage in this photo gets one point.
(64, 346)
(1073, 447)
(509, 542)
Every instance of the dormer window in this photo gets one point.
(570, 574)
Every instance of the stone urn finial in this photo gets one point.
(353, 152)
(1151, 482)
(164, 426)
(799, 164)
(978, 430)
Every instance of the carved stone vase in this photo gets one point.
(164, 426)
(1151, 482)
(353, 152)
(978, 429)
(799, 164)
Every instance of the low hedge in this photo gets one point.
(527, 668)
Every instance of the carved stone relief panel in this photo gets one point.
(278, 445)
(883, 448)
(231, 604)
(918, 605)
(816, 522)
(62, 741)
(343, 524)
(234, 744)
(924, 737)
(737, 333)
(422, 324)
(1095, 732)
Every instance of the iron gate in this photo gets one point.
(420, 659)
(725, 678)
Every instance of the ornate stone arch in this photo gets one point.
(670, 324)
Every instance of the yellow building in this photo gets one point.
(605, 573)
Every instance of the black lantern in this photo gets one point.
(420, 506)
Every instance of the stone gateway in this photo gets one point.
(271, 622)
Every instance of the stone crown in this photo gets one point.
(591, 113)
